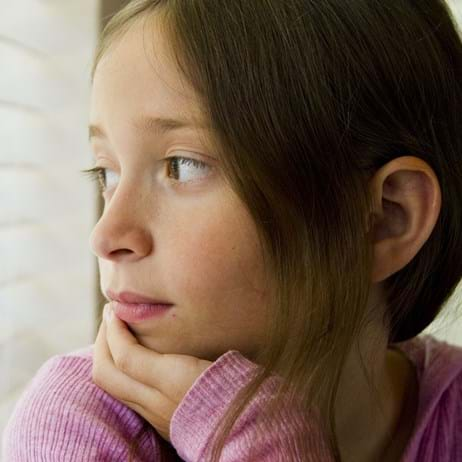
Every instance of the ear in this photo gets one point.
(407, 201)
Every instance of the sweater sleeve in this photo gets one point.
(194, 422)
(63, 416)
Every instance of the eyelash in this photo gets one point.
(98, 173)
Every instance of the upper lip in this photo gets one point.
(132, 297)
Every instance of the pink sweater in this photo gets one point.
(63, 416)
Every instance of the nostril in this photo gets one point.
(122, 251)
(119, 253)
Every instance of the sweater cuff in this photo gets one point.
(205, 403)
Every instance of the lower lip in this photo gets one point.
(138, 312)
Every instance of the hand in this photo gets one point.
(152, 384)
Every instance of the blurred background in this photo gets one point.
(49, 291)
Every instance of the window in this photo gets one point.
(47, 294)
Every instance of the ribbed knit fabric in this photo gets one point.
(437, 435)
(63, 416)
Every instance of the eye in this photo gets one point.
(186, 170)
(100, 175)
(180, 170)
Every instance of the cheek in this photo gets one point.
(222, 290)
(219, 259)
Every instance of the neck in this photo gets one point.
(373, 423)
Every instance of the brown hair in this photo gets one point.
(307, 100)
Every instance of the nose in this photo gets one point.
(122, 232)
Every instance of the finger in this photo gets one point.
(107, 376)
(141, 363)
(171, 374)
(100, 349)
(149, 403)
(161, 417)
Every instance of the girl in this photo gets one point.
(285, 178)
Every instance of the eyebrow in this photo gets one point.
(149, 124)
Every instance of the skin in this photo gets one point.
(407, 198)
(196, 246)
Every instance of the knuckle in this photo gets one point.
(122, 362)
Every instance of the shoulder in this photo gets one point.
(436, 361)
(71, 417)
(438, 426)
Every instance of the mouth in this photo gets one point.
(134, 308)
(134, 313)
(127, 297)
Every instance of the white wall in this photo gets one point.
(47, 208)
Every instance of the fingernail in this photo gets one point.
(107, 313)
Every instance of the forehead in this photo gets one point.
(137, 75)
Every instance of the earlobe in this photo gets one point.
(407, 201)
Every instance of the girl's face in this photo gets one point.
(171, 231)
